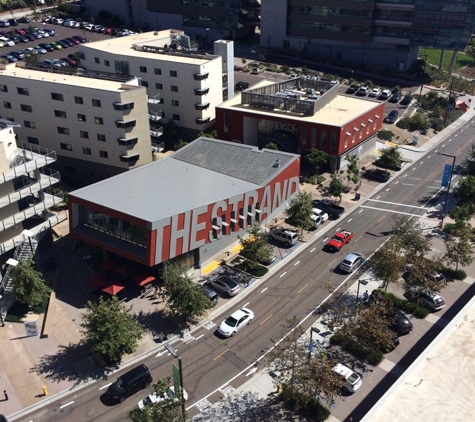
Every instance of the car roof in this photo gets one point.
(240, 313)
(352, 256)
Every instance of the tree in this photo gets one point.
(315, 158)
(421, 274)
(353, 170)
(469, 161)
(390, 158)
(165, 410)
(459, 250)
(256, 247)
(28, 285)
(272, 145)
(213, 134)
(110, 329)
(186, 299)
(386, 263)
(411, 237)
(299, 211)
(336, 187)
(466, 190)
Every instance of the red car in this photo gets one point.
(70, 62)
(20, 31)
(339, 239)
(107, 31)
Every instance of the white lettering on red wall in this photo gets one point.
(192, 229)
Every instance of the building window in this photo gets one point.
(70, 169)
(125, 125)
(124, 106)
(143, 69)
(23, 91)
(86, 151)
(3, 88)
(303, 135)
(7, 104)
(158, 85)
(57, 97)
(323, 139)
(63, 130)
(107, 63)
(347, 135)
(66, 147)
(225, 122)
(78, 100)
(200, 76)
(175, 103)
(333, 140)
(96, 103)
(97, 60)
(101, 138)
(174, 88)
(31, 125)
(144, 83)
(25, 107)
(84, 134)
(32, 140)
(122, 67)
(313, 137)
(173, 73)
(176, 117)
(81, 117)
(157, 71)
(60, 114)
(98, 120)
(103, 154)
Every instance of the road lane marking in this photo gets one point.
(407, 184)
(297, 263)
(395, 212)
(285, 272)
(429, 156)
(388, 189)
(360, 211)
(384, 216)
(245, 305)
(414, 178)
(338, 229)
(252, 371)
(422, 162)
(358, 238)
(313, 249)
(396, 182)
(436, 151)
(378, 197)
(221, 354)
(405, 175)
(67, 404)
(428, 177)
(324, 240)
(197, 338)
(331, 262)
(105, 386)
(443, 146)
(349, 220)
(263, 290)
(267, 319)
(302, 288)
(398, 204)
(433, 187)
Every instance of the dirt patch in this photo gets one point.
(404, 137)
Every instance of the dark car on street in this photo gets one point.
(401, 325)
(378, 175)
(406, 100)
(395, 98)
(392, 116)
(79, 38)
(352, 89)
(241, 86)
(46, 46)
(24, 19)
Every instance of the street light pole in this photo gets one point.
(175, 354)
(1, 314)
(310, 347)
(450, 182)
(364, 283)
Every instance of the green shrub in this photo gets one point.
(320, 180)
(404, 305)
(257, 270)
(312, 180)
(385, 135)
(359, 351)
(453, 274)
(309, 407)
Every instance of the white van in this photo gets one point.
(352, 381)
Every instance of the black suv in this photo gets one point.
(395, 97)
(378, 175)
(392, 116)
(406, 100)
(129, 383)
(241, 86)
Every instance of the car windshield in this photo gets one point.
(170, 394)
(352, 378)
(438, 277)
(439, 300)
(147, 401)
(346, 262)
(231, 321)
(337, 238)
(229, 282)
(119, 383)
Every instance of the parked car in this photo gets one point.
(286, 237)
(75, 41)
(58, 21)
(363, 91)
(9, 58)
(20, 55)
(351, 380)
(4, 24)
(155, 398)
(392, 116)
(13, 22)
(50, 31)
(433, 301)
(71, 24)
(385, 94)
(406, 100)
(401, 323)
(212, 295)
(395, 97)
(23, 19)
(62, 43)
(52, 63)
(236, 322)
(352, 89)
(20, 31)
(321, 213)
(79, 38)
(375, 92)
(8, 42)
(129, 383)
(241, 86)
(333, 211)
(46, 46)
(225, 284)
(378, 175)
(69, 61)
(352, 262)
(56, 45)
(69, 42)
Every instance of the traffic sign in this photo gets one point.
(446, 176)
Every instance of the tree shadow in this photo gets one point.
(159, 324)
(74, 362)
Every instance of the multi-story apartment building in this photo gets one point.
(24, 203)
(98, 124)
(208, 19)
(384, 33)
(186, 85)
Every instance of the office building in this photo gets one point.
(186, 85)
(375, 33)
(97, 124)
(301, 114)
(205, 195)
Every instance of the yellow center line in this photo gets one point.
(267, 319)
(358, 238)
(428, 177)
(384, 216)
(331, 262)
(302, 288)
(227, 350)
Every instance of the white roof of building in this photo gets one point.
(338, 112)
(203, 172)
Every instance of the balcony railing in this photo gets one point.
(156, 132)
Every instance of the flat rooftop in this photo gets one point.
(74, 80)
(131, 46)
(340, 111)
(203, 172)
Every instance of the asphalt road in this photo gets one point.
(209, 361)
